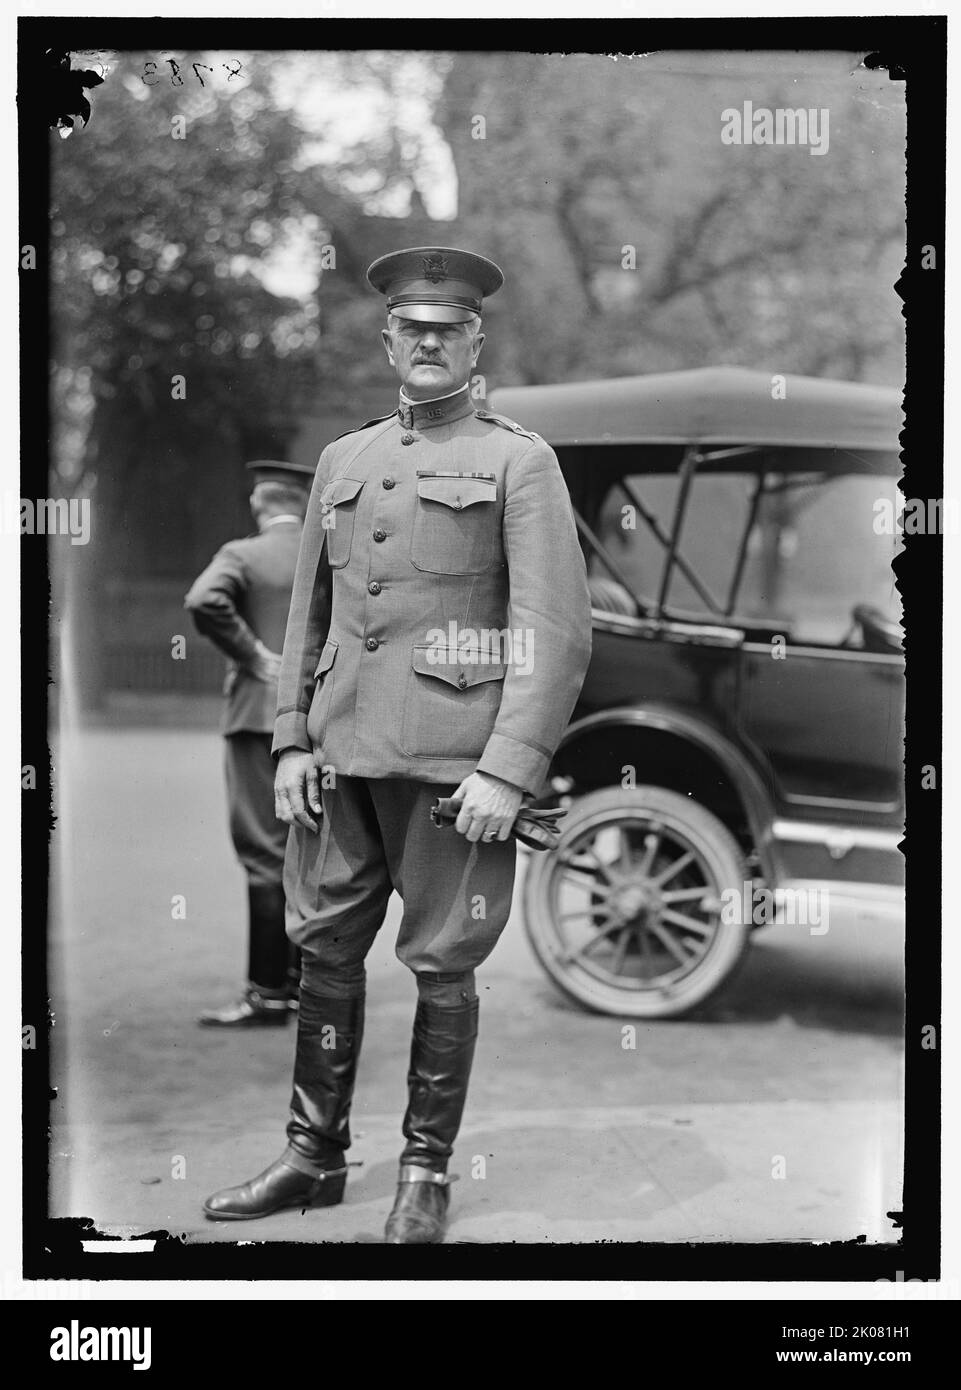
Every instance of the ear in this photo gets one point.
(388, 348)
(478, 344)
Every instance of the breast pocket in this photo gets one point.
(338, 507)
(455, 525)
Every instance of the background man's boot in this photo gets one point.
(266, 998)
(293, 975)
(256, 1007)
(442, 1050)
(313, 1169)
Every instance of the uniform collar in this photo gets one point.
(283, 517)
(441, 410)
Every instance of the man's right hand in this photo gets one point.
(297, 788)
(264, 665)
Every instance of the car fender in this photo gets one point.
(746, 778)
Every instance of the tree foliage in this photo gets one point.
(157, 241)
(763, 256)
(632, 238)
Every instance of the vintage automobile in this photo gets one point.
(738, 739)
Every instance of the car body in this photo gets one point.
(740, 726)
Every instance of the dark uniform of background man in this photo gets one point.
(241, 602)
(437, 514)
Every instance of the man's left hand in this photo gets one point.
(490, 807)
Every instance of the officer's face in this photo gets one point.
(432, 359)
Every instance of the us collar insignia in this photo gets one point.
(435, 268)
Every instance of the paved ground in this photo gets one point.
(796, 1069)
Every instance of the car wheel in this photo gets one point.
(626, 914)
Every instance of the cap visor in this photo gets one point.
(433, 313)
(275, 475)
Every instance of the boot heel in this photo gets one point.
(330, 1190)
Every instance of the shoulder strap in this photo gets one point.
(505, 423)
(365, 426)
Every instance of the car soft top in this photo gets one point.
(711, 406)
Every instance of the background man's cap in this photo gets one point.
(272, 471)
(435, 284)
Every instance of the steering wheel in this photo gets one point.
(878, 633)
(611, 597)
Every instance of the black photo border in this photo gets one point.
(912, 49)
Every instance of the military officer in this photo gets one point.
(439, 633)
(241, 602)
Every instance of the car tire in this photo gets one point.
(613, 873)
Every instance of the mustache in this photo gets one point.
(421, 361)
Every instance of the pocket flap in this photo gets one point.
(445, 664)
(326, 658)
(457, 492)
(340, 490)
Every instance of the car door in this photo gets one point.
(828, 724)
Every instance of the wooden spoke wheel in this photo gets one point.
(626, 914)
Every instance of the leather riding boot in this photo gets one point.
(419, 1215)
(330, 1031)
(265, 1000)
(313, 1170)
(442, 1050)
(287, 1183)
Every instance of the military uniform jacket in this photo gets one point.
(446, 628)
(243, 595)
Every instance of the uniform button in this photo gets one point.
(380, 535)
(372, 644)
(388, 483)
(373, 587)
(462, 681)
(407, 439)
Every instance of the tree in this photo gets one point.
(173, 361)
(768, 257)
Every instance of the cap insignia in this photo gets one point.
(435, 268)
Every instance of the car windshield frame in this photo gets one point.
(793, 430)
(774, 476)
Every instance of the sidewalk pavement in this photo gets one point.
(773, 1116)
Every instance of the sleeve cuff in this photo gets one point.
(290, 731)
(247, 647)
(516, 762)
